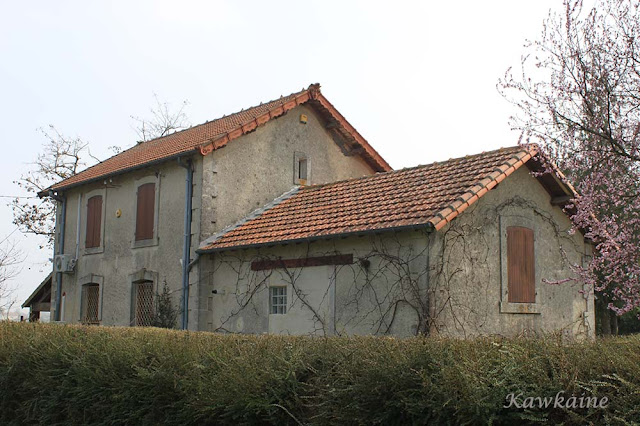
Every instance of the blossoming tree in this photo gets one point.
(577, 94)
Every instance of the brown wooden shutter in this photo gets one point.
(94, 221)
(521, 265)
(145, 211)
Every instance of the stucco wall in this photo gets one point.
(253, 170)
(378, 293)
(469, 282)
(119, 257)
(388, 289)
(228, 184)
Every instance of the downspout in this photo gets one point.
(188, 196)
(78, 227)
(63, 220)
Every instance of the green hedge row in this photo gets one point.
(57, 374)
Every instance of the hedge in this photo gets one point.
(53, 374)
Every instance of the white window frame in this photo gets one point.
(278, 300)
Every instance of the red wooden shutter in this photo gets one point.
(94, 221)
(521, 265)
(145, 211)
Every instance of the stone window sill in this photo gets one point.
(519, 308)
(145, 243)
(93, 250)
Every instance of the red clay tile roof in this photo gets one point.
(430, 196)
(215, 134)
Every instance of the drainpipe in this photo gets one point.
(188, 196)
(78, 226)
(63, 200)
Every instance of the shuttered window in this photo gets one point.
(145, 211)
(94, 221)
(90, 303)
(521, 265)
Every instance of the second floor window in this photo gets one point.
(94, 221)
(145, 211)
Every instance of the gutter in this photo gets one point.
(186, 264)
(58, 302)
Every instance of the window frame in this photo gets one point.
(279, 307)
(141, 275)
(298, 157)
(137, 285)
(90, 280)
(84, 215)
(155, 179)
(506, 307)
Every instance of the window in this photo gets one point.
(520, 265)
(302, 169)
(90, 303)
(143, 303)
(278, 300)
(145, 211)
(94, 222)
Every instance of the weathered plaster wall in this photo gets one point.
(228, 184)
(119, 257)
(253, 170)
(470, 280)
(379, 293)
(388, 289)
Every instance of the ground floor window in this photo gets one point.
(90, 303)
(278, 300)
(143, 303)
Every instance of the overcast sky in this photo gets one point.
(417, 79)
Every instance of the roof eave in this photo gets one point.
(473, 194)
(428, 227)
(45, 192)
(311, 94)
(37, 290)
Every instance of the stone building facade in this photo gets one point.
(283, 219)
(233, 164)
(472, 246)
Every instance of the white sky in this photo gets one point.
(417, 79)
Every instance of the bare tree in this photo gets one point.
(10, 258)
(62, 157)
(163, 120)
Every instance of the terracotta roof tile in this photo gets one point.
(429, 195)
(216, 134)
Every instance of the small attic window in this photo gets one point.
(301, 170)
